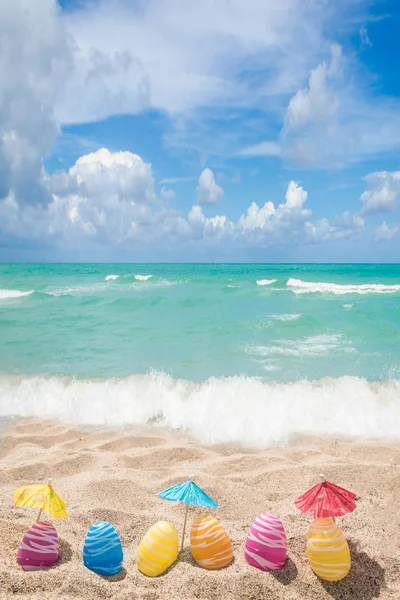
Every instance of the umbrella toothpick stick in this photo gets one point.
(184, 526)
(49, 482)
(188, 493)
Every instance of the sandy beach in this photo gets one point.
(115, 476)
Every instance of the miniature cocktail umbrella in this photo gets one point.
(42, 497)
(327, 549)
(188, 493)
(326, 500)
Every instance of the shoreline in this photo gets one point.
(115, 475)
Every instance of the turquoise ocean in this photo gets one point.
(228, 353)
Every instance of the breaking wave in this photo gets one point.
(143, 277)
(308, 287)
(10, 294)
(265, 281)
(236, 409)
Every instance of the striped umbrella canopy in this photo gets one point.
(190, 494)
(42, 497)
(326, 500)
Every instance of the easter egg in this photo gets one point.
(328, 551)
(102, 549)
(210, 544)
(158, 549)
(39, 548)
(265, 546)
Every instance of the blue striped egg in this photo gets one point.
(102, 550)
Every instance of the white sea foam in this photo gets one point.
(348, 306)
(111, 277)
(271, 368)
(307, 287)
(285, 317)
(317, 345)
(79, 290)
(233, 409)
(10, 294)
(143, 277)
(265, 281)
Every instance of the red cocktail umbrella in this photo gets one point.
(326, 500)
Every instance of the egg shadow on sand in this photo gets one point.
(287, 574)
(65, 552)
(186, 556)
(364, 582)
(118, 577)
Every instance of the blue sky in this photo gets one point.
(227, 130)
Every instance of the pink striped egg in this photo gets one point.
(265, 546)
(39, 548)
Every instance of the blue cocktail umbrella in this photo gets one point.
(188, 493)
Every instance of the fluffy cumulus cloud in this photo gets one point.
(382, 192)
(346, 227)
(330, 121)
(310, 130)
(384, 232)
(317, 102)
(167, 193)
(108, 200)
(283, 223)
(105, 197)
(208, 191)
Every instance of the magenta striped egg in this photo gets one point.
(39, 548)
(265, 546)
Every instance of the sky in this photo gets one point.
(225, 130)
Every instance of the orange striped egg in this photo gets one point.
(328, 551)
(210, 544)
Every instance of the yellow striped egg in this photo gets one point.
(328, 551)
(210, 544)
(158, 549)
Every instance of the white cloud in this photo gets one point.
(107, 200)
(346, 227)
(318, 102)
(104, 197)
(336, 119)
(167, 194)
(365, 42)
(209, 227)
(385, 233)
(208, 191)
(284, 224)
(295, 196)
(103, 174)
(382, 192)
(34, 63)
(129, 56)
(267, 148)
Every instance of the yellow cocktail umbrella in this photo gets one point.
(42, 497)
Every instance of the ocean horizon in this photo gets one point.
(229, 352)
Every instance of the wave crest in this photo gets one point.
(235, 409)
(9, 294)
(143, 277)
(317, 345)
(308, 287)
(265, 281)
